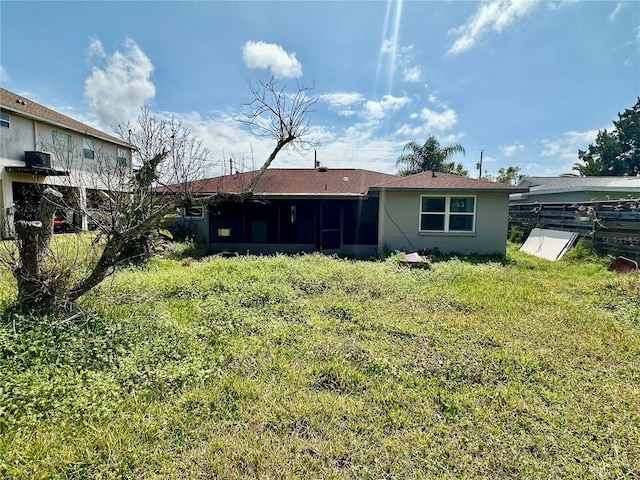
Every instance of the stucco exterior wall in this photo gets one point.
(26, 134)
(399, 218)
(16, 139)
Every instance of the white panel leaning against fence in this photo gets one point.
(548, 244)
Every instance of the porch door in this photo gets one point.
(330, 226)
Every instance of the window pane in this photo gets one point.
(433, 204)
(4, 120)
(461, 223)
(62, 141)
(462, 204)
(432, 222)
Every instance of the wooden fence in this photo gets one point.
(612, 225)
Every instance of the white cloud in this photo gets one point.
(96, 48)
(510, 150)
(413, 74)
(4, 76)
(409, 131)
(438, 121)
(342, 99)
(375, 110)
(454, 137)
(357, 146)
(567, 147)
(353, 151)
(401, 56)
(616, 11)
(226, 138)
(273, 57)
(343, 102)
(387, 46)
(116, 91)
(430, 122)
(490, 16)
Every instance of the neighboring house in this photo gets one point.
(576, 189)
(40, 147)
(354, 212)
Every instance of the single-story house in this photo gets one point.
(353, 212)
(576, 189)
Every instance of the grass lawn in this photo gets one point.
(316, 367)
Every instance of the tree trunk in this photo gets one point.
(34, 238)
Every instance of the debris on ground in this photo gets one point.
(622, 265)
(415, 260)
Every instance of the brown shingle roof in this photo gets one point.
(296, 181)
(444, 182)
(13, 102)
(299, 182)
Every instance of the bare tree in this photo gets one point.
(129, 206)
(285, 118)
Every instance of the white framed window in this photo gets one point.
(4, 120)
(62, 142)
(194, 212)
(88, 148)
(448, 213)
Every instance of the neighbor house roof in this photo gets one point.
(444, 182)
(12, 102)
(550, 185)
(296, 182)
(547, 183)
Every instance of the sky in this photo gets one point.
(523, 84)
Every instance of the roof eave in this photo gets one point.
(448, 190)
(68, 127)
(294, 195)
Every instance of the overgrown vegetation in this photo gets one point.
(317, 367)
(134, 203)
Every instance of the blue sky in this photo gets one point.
(529, 83)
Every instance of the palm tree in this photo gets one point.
(430, 156)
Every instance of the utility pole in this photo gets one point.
(479, 165)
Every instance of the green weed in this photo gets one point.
(319, 367)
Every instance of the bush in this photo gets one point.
(584, 251)
(516, 234)
(188, 248)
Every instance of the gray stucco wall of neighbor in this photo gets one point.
(399, 225)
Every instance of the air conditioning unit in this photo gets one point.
(37, 159)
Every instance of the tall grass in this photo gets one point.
(317, 367)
